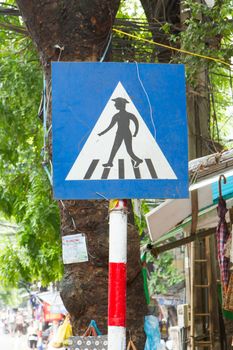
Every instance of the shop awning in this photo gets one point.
(173, 216)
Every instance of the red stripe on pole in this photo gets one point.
(117, 294)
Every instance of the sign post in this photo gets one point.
(117, 275)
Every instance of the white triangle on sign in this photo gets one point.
(96, 150)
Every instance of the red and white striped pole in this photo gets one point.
(117, 275)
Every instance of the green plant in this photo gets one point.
(164, 275)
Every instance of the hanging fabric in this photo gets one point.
(227, 249)
(228, 298)
(222, 235)
(231, 250)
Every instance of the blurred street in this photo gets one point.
(13, 343)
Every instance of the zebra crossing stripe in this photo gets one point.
(105, 173)
(91, 169)
(121, 169)
(151, 168)
(136, 172)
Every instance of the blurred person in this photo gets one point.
(19, 324)
(1, 327)
(11, 323)
(32, 335)
(6, 327)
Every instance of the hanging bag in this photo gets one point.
(64, 332)
(91, 339)
(92, 330)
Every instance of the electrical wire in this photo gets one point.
(173, 48)
(148, 99)
(106, 49)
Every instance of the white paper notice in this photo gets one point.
(74, 249)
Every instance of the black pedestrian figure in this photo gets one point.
(122, 119)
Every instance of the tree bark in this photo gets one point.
(79, 31)
(198, 111)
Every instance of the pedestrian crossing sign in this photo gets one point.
(119, 131)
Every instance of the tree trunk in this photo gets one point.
(198, 111)
(79, 31)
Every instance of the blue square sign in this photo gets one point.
(119, 130)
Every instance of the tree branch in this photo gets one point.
(17, 29)
(9, 11)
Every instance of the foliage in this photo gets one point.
(130, 9)
(139, 215)
(10, 297)
(221, 106)
(208, 31)
(164, 275)
(25, 192)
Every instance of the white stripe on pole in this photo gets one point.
(118, 237)
(116, 338)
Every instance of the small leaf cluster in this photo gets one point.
(164, 274)
(206, 31)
